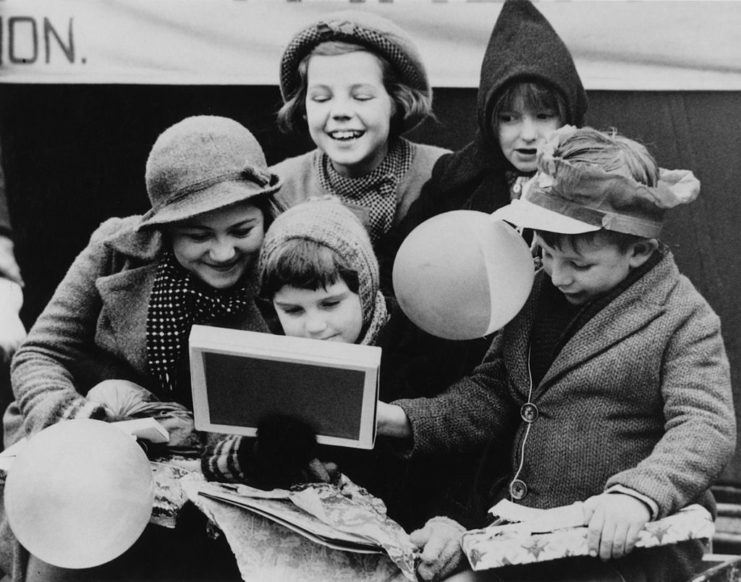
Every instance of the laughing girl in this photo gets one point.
(355, 81)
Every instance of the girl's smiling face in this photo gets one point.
(329, 313)
(219, 246)
(349, 111)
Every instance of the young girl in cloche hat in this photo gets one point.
(116, 329)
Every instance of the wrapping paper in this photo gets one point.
(507, 545)
(268, 551)
(169, 495)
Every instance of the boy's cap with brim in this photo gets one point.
(379, 34)
(525, 214)
(204, 163)
(573, 199)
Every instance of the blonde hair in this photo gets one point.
(610, 152)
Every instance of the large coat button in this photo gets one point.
(529, 412)
(518, 489)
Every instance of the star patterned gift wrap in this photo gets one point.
(518, 543)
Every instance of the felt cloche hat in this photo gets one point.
(375, 32)
(328, 222)
(204, 163)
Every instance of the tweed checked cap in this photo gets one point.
(328, 222)
(379, 34)
(203, 163)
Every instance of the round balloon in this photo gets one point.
(462, 274)
(79, 494)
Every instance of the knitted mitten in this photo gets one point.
(278, 458)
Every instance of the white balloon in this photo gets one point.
(462, 274)
(79, 494)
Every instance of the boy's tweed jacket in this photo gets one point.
(93, 329)
(640, 397)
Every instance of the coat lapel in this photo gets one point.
(619, 319)
(517, 341)
(125, 298)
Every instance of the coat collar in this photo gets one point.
(633, 309)
(146, 244)
(125, 297)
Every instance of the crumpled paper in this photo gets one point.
(268, 551)
(169, 495)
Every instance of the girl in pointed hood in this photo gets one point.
(529, 86)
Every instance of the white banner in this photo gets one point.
(617, 45)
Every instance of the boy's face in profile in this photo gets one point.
(329, 313)
(589, 269)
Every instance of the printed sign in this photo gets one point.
(617, 45)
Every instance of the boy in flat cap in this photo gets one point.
(613, 378)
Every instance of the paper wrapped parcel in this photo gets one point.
(552, 534)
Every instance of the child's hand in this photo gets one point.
(440, 544)
(614, 521)
(12, 331)
(392, 421)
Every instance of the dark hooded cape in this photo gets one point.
(523, 46)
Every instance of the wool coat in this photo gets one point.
(300, 181)
(94, 329)
(639, 397)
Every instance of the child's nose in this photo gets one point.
(560, 276)
(222, 251)
(341, 108)
(528, 129)
(314, 323)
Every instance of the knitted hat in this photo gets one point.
(378, 34)
(326, 221)
(203, 163)
(524, 47)
(570, 199)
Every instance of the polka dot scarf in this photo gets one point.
(176, 303)
(375, 191)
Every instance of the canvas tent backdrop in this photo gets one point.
(86, 87)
